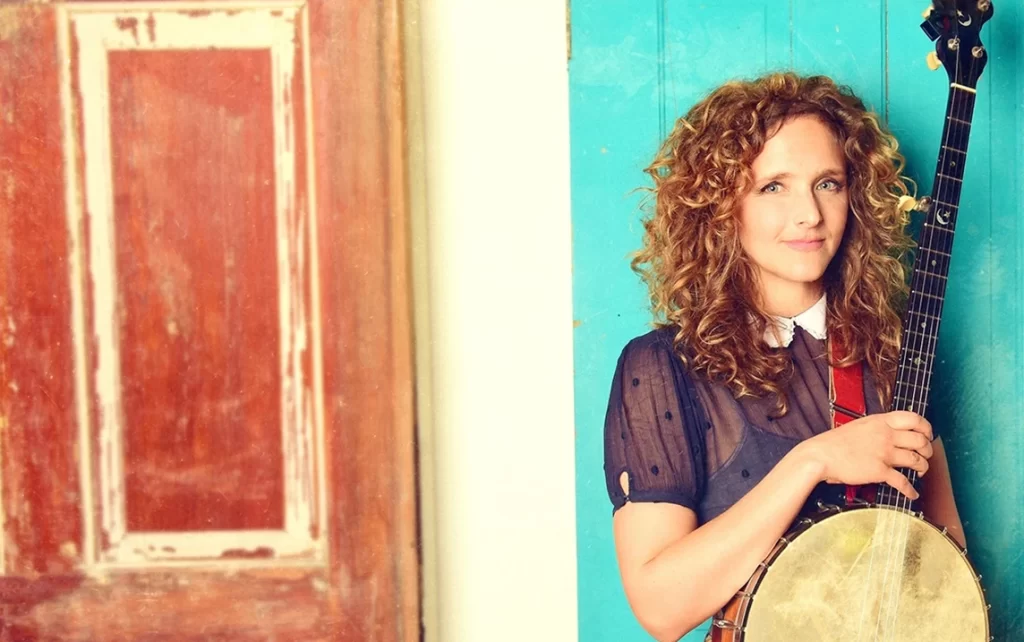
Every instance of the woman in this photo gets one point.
(776, 225)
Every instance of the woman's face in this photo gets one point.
(792, 220)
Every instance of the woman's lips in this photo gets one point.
(806, 246)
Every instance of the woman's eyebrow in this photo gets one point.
(774, 177)
(831, 171)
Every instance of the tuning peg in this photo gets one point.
(908, 203)
(927, 13)
(932, 59)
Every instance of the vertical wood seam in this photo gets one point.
(792, 53)
(1018, 89)
(662, 98)
(885, 59)
(406, 539)
(426, 490)
(73, 213)
(320, 477)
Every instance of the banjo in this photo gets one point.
(877, 570)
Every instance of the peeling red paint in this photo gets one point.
(366, 587)
(240, 554)
(129, 24)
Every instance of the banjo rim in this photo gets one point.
(730, 623)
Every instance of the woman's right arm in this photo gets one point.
(677, 575)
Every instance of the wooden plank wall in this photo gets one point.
(636, 66)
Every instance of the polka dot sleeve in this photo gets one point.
(653, 446)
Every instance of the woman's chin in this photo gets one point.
(809, 276)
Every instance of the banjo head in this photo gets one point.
(868, 574)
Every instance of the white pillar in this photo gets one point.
(497, 409)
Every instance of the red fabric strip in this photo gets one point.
(848, 384)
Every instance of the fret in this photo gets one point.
(909, 365)
(907, 390)
(946, 191)
(905, 402)
(949, 163)
(956, 136)
(911, 393)
(908, 351)
(957, 120)
(935, 262)
(911, 405)
(894, 499)
(908, 397)
(923, 314)
(932, 334)
(928, 249)
(940, 228)
(949, 205)
(923, 335)
(917, 353)
(930, 296)
(954, 149)
(942, 265)
(911, 378)
(952, 178)
(927, 273)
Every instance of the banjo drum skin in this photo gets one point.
(843, 574)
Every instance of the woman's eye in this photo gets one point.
(771, 188)
(831, 184)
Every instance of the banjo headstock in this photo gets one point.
(955, 26)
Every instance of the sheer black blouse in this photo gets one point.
(686, 440)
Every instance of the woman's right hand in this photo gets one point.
(870, 449)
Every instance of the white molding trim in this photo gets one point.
(77, 279)
(140, 549)
(320, 491)
(79, 7)
(274, 27)
(169, 26)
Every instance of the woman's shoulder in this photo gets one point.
(653, 350)
(656, 339)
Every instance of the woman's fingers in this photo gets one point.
(903, 420)
(913, 440)
(898, 481)
(901, 458)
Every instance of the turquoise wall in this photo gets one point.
(637, 65)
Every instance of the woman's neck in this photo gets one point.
(792, 300)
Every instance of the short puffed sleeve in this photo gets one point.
(653, 427)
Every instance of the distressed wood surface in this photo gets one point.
(209, 366)
(367, 384)
(197, 326)
(245, 606)
(40, 507)
(197, 289)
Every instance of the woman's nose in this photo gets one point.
(808, 211)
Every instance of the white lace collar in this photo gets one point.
(812, 320)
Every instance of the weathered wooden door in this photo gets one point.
(205, 388)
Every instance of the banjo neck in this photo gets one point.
(964, 59)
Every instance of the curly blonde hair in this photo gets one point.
(700, 280)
